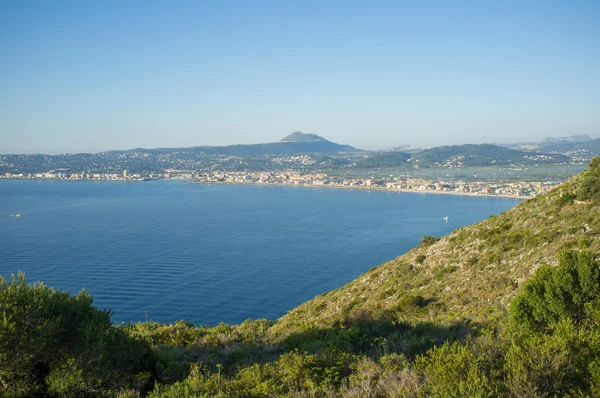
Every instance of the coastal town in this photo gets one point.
(51, 175)
(518, 189)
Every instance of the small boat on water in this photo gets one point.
(18, 215)
(445, 218)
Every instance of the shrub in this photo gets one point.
(569, 291)
(411, 302)
(54, 343)
(180, 334)
(543, 365)
(555, 334)
(584, 243)
(441, 271)
(566, 198)
(454, 370)
(589, 188)
(428, 240)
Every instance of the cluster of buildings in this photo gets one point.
(52, 175)
(512, 189)
(299, 160)
(517, 189)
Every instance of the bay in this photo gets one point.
(170, 250)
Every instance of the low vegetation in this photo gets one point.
(52, 343)
(509, 307)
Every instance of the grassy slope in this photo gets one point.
(472, 273)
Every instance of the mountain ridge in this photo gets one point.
(573, 139)
(296, 143)
(582, 146)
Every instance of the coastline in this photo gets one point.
(346, 187)
(361, 188)
(81, 179)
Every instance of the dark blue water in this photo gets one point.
(168, 250)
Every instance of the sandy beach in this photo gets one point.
(361, 188)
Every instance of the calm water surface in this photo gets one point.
(168, 250)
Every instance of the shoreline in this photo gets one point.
(254, 184)
(360, 188)
(81, 179)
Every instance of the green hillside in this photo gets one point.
(456, 156)
(481, 155)
(508, 307)
(592, 145)
(385, 159)
(473, 273)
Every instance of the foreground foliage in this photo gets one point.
(549, 345)
(52, 343)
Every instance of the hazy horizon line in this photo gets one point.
(397, 147)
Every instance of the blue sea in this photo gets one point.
(170, 250)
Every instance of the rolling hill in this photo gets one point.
(481, 155)
(580, 146)
(461, 156)
(593, 146)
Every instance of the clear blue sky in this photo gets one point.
(97, 75)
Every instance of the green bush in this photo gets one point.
(52, 343)
(584, 243)
(569, 291)
(454, 370)
(566, 199)
(441, 271)
(545, 365)
(589, 188)
(555, 330)
(411, 302)
(428, 240)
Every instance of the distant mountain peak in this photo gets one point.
(574, 139)
(298, 136)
